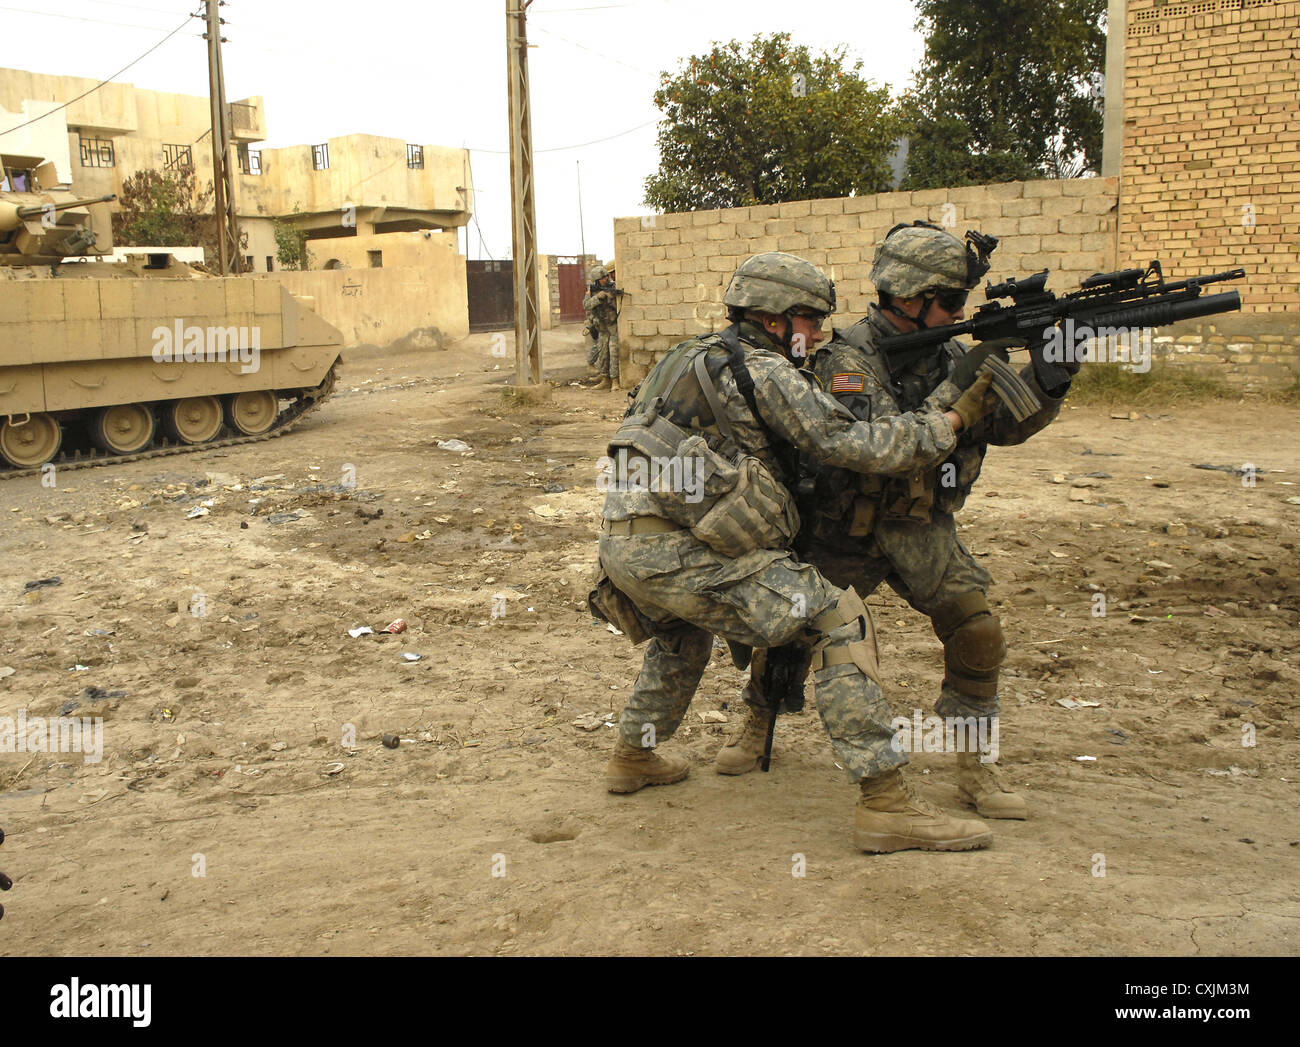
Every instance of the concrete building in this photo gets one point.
(357, 185)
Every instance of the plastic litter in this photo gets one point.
(453, 445)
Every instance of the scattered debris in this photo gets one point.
(713, 716)
(360, 630)
(397, 625)
(411, 656)
(1176, 529)
(1086, 759)
(391, 741)
(1233, 772)
(41, 583)
(1077, 703)
(6, 670)
(197, 511)
(79, 668)
(553, 488)
(453, 445)
(594, 721)
(331, 769)
(544, 511)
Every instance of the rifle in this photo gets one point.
(1130, 298)
(781, 683)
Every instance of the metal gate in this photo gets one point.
(573, 289)
(491, 290)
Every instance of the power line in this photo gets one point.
(92, 90)
(81, 18)
(599, 54)
(579, 145)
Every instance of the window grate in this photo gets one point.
(96, 152)
(320, 157)
(415, 157)
(177, 156)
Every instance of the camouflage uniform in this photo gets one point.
(601, 307)
(687, 592)
(900, 529)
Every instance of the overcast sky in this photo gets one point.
(435, 72)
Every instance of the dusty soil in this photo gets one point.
(215, 756)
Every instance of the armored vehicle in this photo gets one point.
(142, 357)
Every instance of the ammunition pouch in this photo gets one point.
(610, 604)
(758, 513)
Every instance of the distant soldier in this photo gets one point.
(601, 307)
(704, 547)
(898, 527)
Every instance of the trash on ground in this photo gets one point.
(1077, 703)
(41, 583)
(391, 741)
(360, 630)
(197, 511)
(713, 716)
(1086, 759)
(593, 721)
(397, 625)
(411, 656)
(331, 769)
(453, 445)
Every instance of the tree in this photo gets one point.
(165, 209)
(1008, 96)
(768, 123)
(290, 244)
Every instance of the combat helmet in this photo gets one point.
(598, 272)
(776, 282)
(920, 258)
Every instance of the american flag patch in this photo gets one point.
(849, 383)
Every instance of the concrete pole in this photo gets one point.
(528, 349)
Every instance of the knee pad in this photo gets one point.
(973, 645)
(847, 635)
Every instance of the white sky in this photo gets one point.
(435, 72)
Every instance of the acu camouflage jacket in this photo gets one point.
(859, 376)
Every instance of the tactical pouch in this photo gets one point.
(758, 514)
(702, 477)
(610, 604)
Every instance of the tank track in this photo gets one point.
(91, 459)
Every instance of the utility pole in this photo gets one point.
(528, 347)
(223, 176)
(582, 227)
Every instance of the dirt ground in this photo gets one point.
(214, 826)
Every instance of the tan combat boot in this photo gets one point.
(981, 786)
(890, 817)
(744, 749)
(632, 768)
(603, 384)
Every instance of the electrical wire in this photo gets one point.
(92, 90)
(579, 145)
(81, 18)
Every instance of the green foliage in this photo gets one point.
(1006, 97)
(767, 123)
(290, 245)
(164, 209)
(1110, 386)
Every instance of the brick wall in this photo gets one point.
(675, 267)
(1210, 177)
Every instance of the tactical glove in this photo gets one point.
(967, 369)
(976, 402)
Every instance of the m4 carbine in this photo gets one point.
(1128, 300)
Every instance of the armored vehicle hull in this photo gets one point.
(150, 362)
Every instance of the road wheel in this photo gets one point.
(195, 420)
(30, 443)
(123, 428)
(252, 413)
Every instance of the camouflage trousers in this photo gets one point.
(927, 565)
(604, 356)
(766, 598)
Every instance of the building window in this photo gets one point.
(248, 263)
(415, 157)
(96, 152)
(16, 181)
(176, 157)
(376, 259)
(320, 157)
(270, 264)
(250, 160)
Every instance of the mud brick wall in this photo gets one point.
(1210, 175)
(675, 267)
